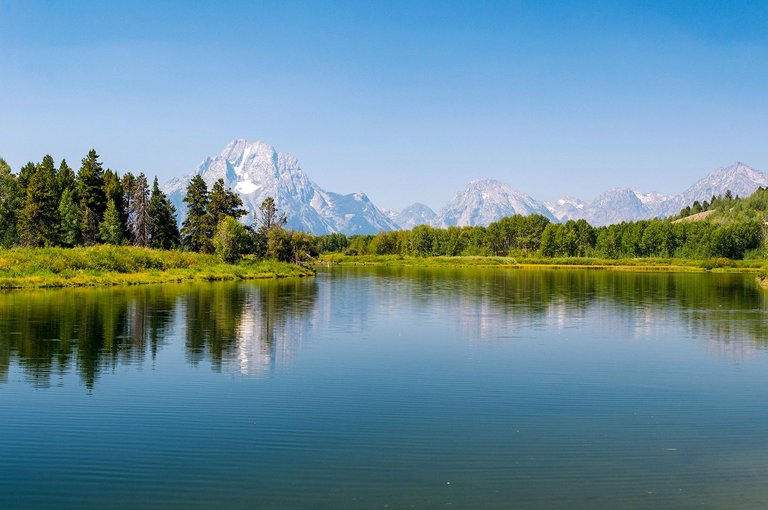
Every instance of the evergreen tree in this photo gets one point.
(93, 199)
(163, 230)
(223, 202)
(25, 174)
(65, 178)
(9, 204)
(113, 190)
(138, 210)
(38, 218)
(89, 226)
(197, 231)
(111, 229)
(69, 219)
(129, 184)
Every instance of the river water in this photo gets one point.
(389, 388)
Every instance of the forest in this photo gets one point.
(45, 206)
(49, 206)
(734, 228)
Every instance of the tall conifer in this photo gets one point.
(138, 211)
(163, 230)
(9, 204)
(223, 202)
(38, 218)
(93, 199)
(197, 231)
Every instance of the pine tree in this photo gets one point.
(129, 183)
(113, 190)
(197, 231)
(69, 218)
(222, 203)
(9, 204)
(25, 174)
(138, 211)
(65, 178)
(163, 230)
(93, 199)
(38, 218)
(89, 226)
(110, 229)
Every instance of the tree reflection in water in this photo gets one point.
(251, 328)
(49, 333)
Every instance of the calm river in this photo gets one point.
(373, 388)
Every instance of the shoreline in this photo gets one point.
(109, 266)
(638, 265)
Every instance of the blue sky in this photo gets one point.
(403, 100)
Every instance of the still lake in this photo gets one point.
(389, 388)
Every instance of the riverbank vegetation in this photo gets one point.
(125, 265)
(45, 208)
(95, 227)
(735, 230)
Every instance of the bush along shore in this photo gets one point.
(127, 265)
(633, 264)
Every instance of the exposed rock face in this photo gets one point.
(617, 205)
(256, 171)
(413, 215)
(484, 201)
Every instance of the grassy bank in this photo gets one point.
(638, 264)
(124, 265)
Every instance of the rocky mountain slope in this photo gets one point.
(617, 205)
(255, 171)
(484, 201)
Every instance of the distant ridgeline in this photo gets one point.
(727, 227)
(48, 206)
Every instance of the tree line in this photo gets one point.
(46, 206)
(735, 232)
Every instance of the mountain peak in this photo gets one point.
(255, 171)
(484, 201)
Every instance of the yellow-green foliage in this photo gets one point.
(124, 265)
(635, 264)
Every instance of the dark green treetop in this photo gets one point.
(197, 230)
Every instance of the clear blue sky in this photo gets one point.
(403, 100)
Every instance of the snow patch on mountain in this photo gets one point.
(255, 170)
(617, 205)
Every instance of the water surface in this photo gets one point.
(398, 388)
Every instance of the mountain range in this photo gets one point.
(255, 170)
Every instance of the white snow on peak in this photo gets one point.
(255, 170)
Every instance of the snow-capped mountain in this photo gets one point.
(484, 201)
(256, 171)
(617, 205)
(413, 215)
